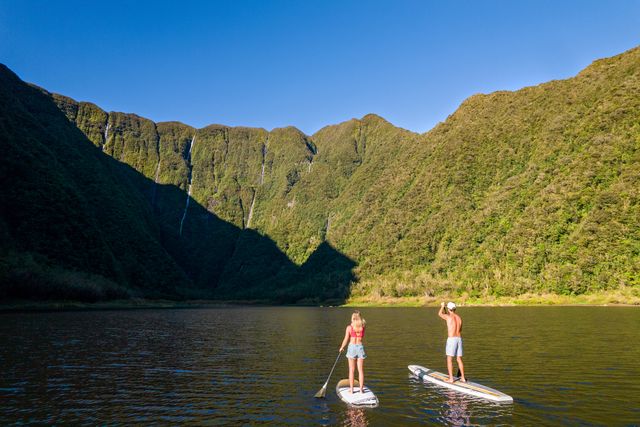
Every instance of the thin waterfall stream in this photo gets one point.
(264, 155)
(190, 179)
(106, 135)
(255, 192)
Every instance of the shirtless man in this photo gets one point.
(454, 340)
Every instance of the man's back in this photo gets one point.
(454, 324)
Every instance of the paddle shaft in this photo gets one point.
(332, 368)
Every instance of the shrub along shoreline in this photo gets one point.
(625, 297)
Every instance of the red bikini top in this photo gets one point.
(354, 334)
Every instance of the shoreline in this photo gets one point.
(25, 306)
(623, 298)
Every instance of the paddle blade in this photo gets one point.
(320, 394)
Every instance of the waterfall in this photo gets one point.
(155, 183)
(157, 172)
(253, 202)
(264, 155)
(106, 134)
(255, 191)
(190, 179)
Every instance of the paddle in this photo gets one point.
(323, 390)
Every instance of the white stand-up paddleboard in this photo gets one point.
(358, 399)
(473, 389)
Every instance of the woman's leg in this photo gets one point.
(352, 367)
(361, 373)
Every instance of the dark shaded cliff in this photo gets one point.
(78, 224)
(535, 190)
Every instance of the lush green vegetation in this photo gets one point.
(77, 224)
(71, 226)
(516, 193)
(527, 192)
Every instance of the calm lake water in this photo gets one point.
(575, 365)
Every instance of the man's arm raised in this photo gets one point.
(441, 312)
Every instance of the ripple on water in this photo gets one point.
(263, 365)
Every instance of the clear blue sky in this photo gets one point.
(304, 63)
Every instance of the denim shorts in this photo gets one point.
(355, 351)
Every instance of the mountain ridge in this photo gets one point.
(504, 197)
(595, 64)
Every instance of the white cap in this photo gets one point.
(451, 305)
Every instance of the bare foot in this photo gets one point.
(463, 380)
(449, 380)
(361, 390)
(351, 391)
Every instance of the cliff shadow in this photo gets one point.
(226, 262)
(73, 208)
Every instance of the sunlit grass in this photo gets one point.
(624, 296)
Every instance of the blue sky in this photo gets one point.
(304, 63)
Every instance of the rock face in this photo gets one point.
(533, 190)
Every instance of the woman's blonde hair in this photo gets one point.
(357, 320)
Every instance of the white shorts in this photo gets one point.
(454, 346)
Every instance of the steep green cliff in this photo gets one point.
(120, 210)
(72, 226)
(535, 190)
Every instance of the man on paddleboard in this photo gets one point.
(454, 340)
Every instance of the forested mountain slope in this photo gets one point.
(535, 190)
(70, 226)
(78, 224)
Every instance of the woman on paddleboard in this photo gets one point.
(354, 334)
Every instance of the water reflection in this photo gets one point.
(444, 406)
(355, 417)
(455, 411)
(245, 366)
(325, 412)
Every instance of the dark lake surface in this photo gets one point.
(255, 365)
